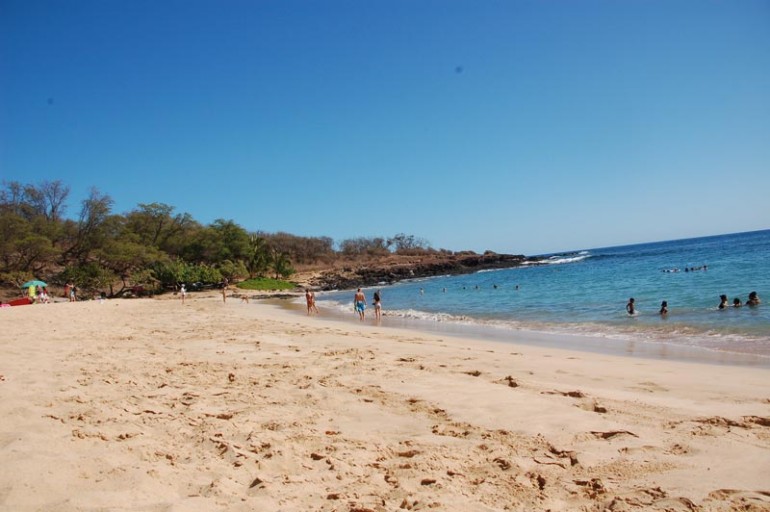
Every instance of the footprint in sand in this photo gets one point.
(649, 387)
(744, 500)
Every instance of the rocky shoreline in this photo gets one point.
(392, 270)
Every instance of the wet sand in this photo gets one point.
(655, 348)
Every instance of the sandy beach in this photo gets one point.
(154, 406)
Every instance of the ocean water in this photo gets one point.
(585, 292)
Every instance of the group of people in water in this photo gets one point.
(686, 269)
(753, 300)
(359, 304)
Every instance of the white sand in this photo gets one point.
(149, 405)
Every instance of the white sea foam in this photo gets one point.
(672, 336)
(585, 294)
(486, 270)
(562, 259)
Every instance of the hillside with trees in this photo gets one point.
(154, 248)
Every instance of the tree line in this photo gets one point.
(151, 246)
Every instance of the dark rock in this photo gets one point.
(428, 266)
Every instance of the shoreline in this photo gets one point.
(148, 404)
(614, 344)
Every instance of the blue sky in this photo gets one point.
(515, 126)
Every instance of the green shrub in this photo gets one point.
(265, 284)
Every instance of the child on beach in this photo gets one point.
(630, 307)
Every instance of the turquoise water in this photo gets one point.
(585, 292)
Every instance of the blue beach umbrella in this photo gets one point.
(34, 283)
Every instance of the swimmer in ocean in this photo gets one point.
(722, 302)
(630, 309)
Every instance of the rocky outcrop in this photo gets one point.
(391, 271)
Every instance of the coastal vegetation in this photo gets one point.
(266, 284)
(154, 248)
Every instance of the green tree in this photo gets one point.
(232, 269)
(123, 254)
(21, 247)
(157, 226)
(258, 259)
(220, 241)
(233, 240)
(89, 277)
(282, 265)
(91, 232)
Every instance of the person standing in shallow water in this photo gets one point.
(630, 307)
(309, 300)
(315, 306)
(663, 308)
(377, 306)
(753, 299)
(359, 304)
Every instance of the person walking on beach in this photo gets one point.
(315, 306)
(224, 289)
(183, 292)
(630, 308)
(310, 299)
(359, 304)
(377, 306)
(663, 308)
